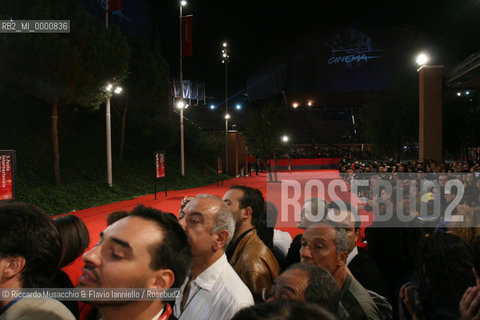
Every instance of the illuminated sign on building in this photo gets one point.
(352, 46)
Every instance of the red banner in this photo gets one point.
(114, 5)
(220, 165)
(159, 164)
(187, 37)
(7, 175)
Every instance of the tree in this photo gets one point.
(146, 88)
(63, 69)
(265, 126)
(390, 118)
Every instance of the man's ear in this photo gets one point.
(342, 258)
(358, 234)
(221, 238)
(163, 278)
(247, 213)
(14, 267)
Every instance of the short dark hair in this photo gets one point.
(116, 215)
(252, 198)
(173, 252)
(322, 288)
(284, 310)
(445, 268)
(74, 238)
(27, 231)
(352, 210)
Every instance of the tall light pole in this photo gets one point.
(225, 56)
(109, 90)
(181, 104)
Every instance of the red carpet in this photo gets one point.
(95, 218)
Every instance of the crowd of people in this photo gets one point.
(227, 261)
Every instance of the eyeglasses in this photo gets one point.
(268, 293)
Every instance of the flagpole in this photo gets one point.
(182, 152)
(225, 57)
(106, 13)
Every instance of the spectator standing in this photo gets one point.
(248, 254)
(213, 290)
(325, 244)
(147, 249)
(74, 239)
(30, 249)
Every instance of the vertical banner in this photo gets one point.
(220, 165)
(159, 164)
(7, 175)
(187, 38)
(176, 89)
(114, 5)
(187, 89)
(201, 91)
(194, 89)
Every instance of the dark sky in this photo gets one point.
(254, 28)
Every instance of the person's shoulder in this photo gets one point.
(359, 300)
(255, 256)
(38, 309)
(233, 289)
(257, 249)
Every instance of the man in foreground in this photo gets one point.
(213, 289)
(325, 244)
(29, 253)
(306, 283)
(248, 254)
(147, 249)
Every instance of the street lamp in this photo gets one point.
(227, 117)
(225, 58)
(181, 105)
(285, 139)
(422, 59)
(110, 90)
(182, 152)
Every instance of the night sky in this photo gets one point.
(254, 28)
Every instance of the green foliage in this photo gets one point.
(204, 146)
(146, 97)
(64, 68)
(39, 70)
(83, 160)
(131, 179)
(147, 80)
(391, 118)
(265, 129)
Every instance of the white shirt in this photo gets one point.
(352, 255)
(217, 293)
(282, 240)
